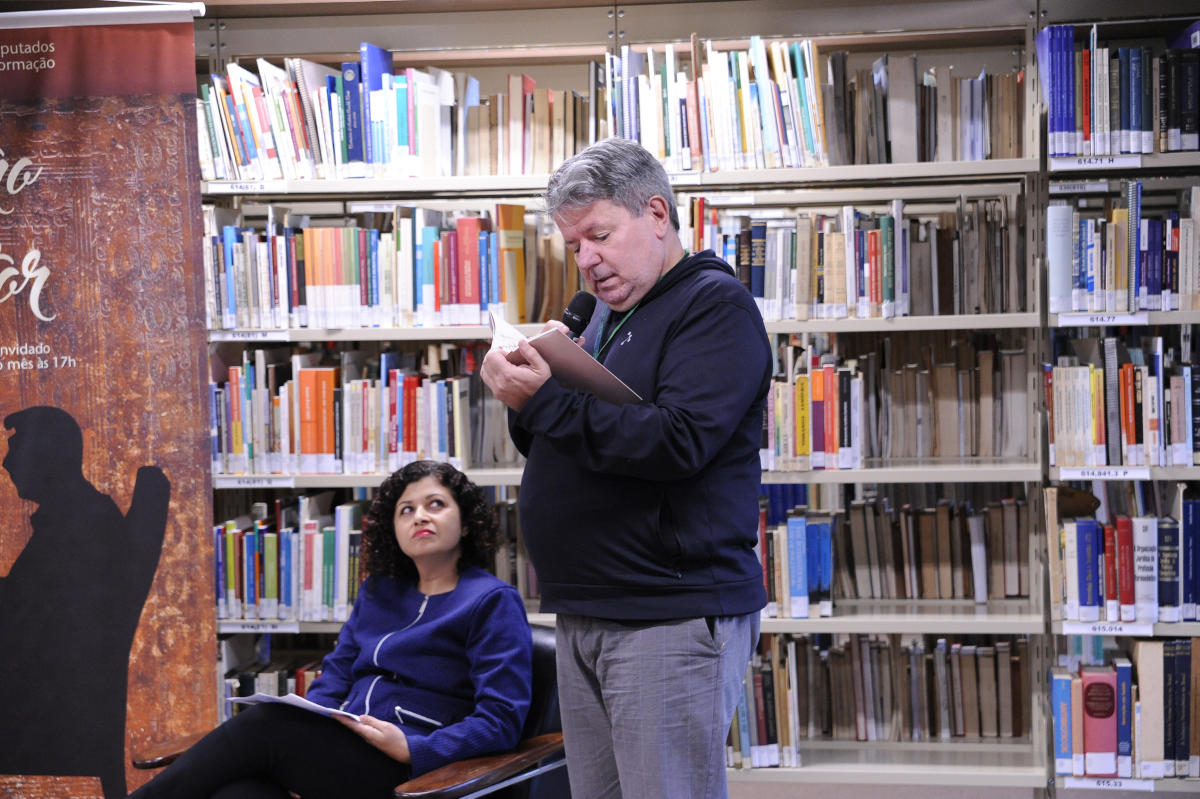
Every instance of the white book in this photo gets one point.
(1145, 568)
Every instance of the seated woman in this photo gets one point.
(435, 660)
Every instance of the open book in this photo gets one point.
(569, 363)
(294, 701)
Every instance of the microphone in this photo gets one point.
(578, 313)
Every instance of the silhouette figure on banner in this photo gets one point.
(70, 605)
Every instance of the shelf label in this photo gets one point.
(265, 626)
(249, 335)
(235, 187)
(1078, 188)
(1109, 783)
(1098, 319)
(1106, 473)
(684, 179)
(254, 481)
(1137, 629)
(1096, 162)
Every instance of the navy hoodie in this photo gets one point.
(650, 510)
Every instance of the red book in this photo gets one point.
(469, 228)
(1086, 87)
(829, 373)
(1112, 608)
(1099, 720)
(394, 397)
(1125, 568)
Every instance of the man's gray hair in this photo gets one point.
(618, 170)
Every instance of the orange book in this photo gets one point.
(818, 418)
(327, 380)
(237, 450)
(510, 227)
(469, 300)
(306, 382)
(832, 420)
(1128, 428)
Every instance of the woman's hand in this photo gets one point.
(383, 735)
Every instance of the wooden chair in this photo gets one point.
(539, 752)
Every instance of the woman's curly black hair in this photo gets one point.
(480, 532)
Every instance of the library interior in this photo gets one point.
(254, 253)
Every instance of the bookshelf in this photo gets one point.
(554, 43)
(1090, 183)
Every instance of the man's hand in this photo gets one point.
(383, 735)
(514, 384)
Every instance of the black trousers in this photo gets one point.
(267, 751)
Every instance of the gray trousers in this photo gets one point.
(646, 706)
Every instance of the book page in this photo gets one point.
(294, 701)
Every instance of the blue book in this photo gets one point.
(373, 273)
(812, 547)
(214, 427)
(494, 268)
(230, 236)
(400, 83)
(1060, 707)
(1168, 570)
(286, 605)
(426, 296)
(374, 64)
(1135, 99)
(250, 575)
(797, 538)
(1050, 87)
(485, 271)
(1189, 551)
(337, 113)
(440, 421)
(1123, 100)
(1124, 716)
(1183, 699)
(1088, 539)
(758, 262)
(219, 563)
(352, 113)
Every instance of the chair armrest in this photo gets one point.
(164, 754)
(466, 776)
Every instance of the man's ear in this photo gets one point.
(660, 212)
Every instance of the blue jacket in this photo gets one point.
(452, 670)
(650, 510)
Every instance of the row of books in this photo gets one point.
(291, 568)
(278, 676)
(1107, 99)
(844, 414)
(300, 558)
(275, 413)
(1132, 715)
(1133, 569)
(307, 120)
(775, 104)
(877, 688)
(783, 103)
(1113, 404)
(860, 263)
(1124, 258)
(413, 266)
